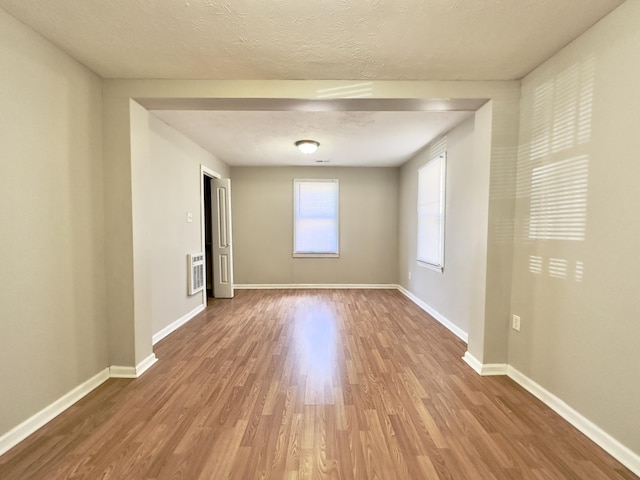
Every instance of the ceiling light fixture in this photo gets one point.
(307, 146)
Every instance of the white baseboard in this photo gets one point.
(26, 428)
(177, 324)
(146, 364)
(613, 447)
(312, 286)
(473, 362)
(117, 371)
(44, 416)
(485, 369)
(457, 331)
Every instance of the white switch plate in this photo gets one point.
(515, 323)
(189, 217)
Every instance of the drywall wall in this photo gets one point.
(166, 186)
(118, 232)
(53, 333)
(262, 200)
(576, 258)
(457, 293)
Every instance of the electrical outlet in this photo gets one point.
(409, 275)
(515, 323)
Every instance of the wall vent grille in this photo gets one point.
(196, 272)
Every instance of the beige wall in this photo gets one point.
(262, 202)
(53, 332)
(458, 292)
(166, 187)
(578, 296)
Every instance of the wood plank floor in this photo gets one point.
(310, 384)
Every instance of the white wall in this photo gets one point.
(578, 295)
(262, 202)
(53, 333)
(457, 293)
(166, 186)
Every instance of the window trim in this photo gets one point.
(335, 254)
(438, 267)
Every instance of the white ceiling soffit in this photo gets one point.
(362, 132)
(318, 104)
(316, 40)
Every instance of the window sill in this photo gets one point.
(316, 255)
(431, 266)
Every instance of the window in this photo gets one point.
(431, 200)
(315, 218)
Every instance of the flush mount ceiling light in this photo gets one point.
(307, 146)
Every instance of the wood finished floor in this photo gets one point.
(310, 384)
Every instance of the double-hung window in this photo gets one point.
(431, 203)
(315, 218)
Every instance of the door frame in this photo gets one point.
(205, 172)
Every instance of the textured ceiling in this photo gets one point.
(347, 138)
(359, 40)
(304, 39)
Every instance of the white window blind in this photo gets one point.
(431, 203)
(315, 224)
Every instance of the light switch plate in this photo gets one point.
(515, 323)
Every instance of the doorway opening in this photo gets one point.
(216, 234)
(208, 235)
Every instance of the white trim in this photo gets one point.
(485, 369)
(146, 364)
(118, 371)
(473, 362)
(204, 172)
(613, 447)
(172, 327)
(296, 200)
(44, 416)
(311, 286)
(457, 331)
(26, 428)
(489, 369)
(436, 156)
(430, 266)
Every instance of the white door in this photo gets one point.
(222, 253)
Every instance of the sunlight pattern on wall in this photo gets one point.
(579, 272)
(562, 111)
(557, 267)
(558, 206)
(553, 167)
(354, 90)
(535, 264)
